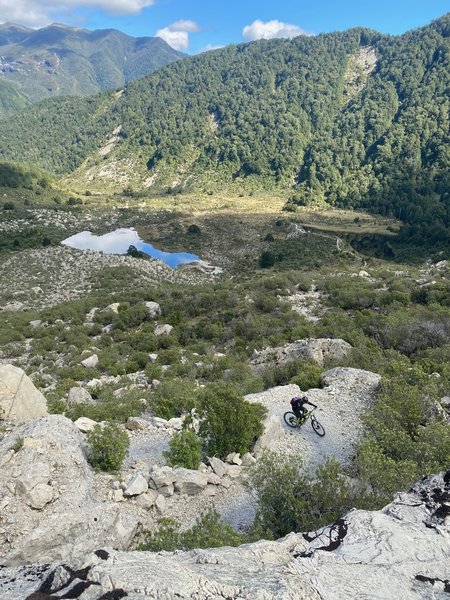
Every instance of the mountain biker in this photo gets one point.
(298, 406)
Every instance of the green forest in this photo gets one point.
(310, 116)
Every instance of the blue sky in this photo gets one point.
(193, 25)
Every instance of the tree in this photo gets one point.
(267, 260)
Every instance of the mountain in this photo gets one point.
(11, 100)
(62, 60)
(351, 119)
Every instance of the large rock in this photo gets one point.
(78, 395)
(218, 466)
(162, 477)
(49, 508)
(189, 482)
(135, 485)
(90, 362)
(400, 552)
(20, 400)
(153, 309)
(315, 350)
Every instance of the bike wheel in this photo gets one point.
(290, 419)
(317, 427)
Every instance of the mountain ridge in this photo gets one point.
(64, 60)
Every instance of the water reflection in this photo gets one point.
(118, 242)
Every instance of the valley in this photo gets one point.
(144, 451)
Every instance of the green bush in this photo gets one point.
(209, 531)
(308, 376)
(108, 446)
(290, 499)
(185, 450)
(229, 423)
(174, 398)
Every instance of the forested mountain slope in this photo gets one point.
(351, 119)
(61, 60)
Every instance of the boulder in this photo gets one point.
(148, 499)
(218, 466)
(315, 350)
(20, 400)
(78, 395)
(114, 307)
(90, 362)
(135, 485)
(189, 482)
(234, 458)
(153, 309)
(136, 424)
(84, 424)
(52, 509)
(163, 329)
(162, 477)
(175, 423)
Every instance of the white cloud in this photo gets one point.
(37, 13)
(177, 34)
(271, 29)
(177, 39)
(185, 25)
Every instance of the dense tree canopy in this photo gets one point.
(310, 114)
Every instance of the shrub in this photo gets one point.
(308, 376)
(9, 206)
(289, 499)
(229, 423)
(174, 398)
(266, 260)
(185, 450)
(108, 446)
(209, 531)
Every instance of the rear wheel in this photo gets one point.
(317, 427)
(290, 419)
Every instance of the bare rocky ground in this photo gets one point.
(401, 552)
(51, 276)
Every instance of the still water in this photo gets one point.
(118, 242)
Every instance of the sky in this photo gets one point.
(194, 26)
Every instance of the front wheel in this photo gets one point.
(290, 419)
(317, 427)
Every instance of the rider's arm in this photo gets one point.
(311, 404)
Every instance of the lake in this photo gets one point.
(118, 242)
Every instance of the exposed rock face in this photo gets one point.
(315, 350)
(20, 400)
(400, 552)
(48, 507)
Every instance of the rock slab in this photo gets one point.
(20, 400)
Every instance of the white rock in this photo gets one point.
(163, 329)
(148, 499)
(234, 458)
(175, 423)
(91, 362)
(218, 466)
(248, 459)
(234, 471)
(167, 490)
(135, 485)
(162, 477)
(189, 482)
(153, 309)
(114, 307)
(78, 395)
(136, 424)
(20, 400)
(152, 357)
(160, 504)
(85, 424)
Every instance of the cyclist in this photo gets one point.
(298, 406)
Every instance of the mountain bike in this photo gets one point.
(292, 421)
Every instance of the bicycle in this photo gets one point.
(293, 421)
